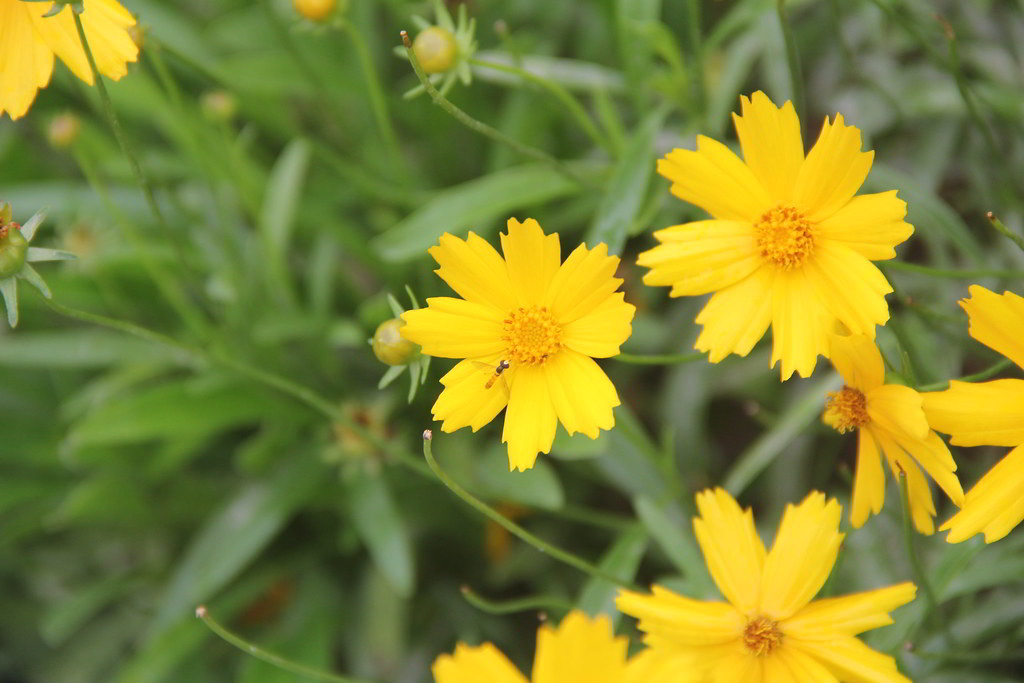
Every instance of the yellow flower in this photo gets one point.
(988, 413)
(529, 328)
(789, 245)
(315, 10)
(769, 630)
(29, 41)
(889, 420)
(580, 650)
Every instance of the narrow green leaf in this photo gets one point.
(672, 531)
(622, 561)
(537, 487)
(280, 205)
(379, 523)
(77, 349)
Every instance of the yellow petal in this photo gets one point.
(934, 457)
(801, 667)
(582, 395)
(897, 409)
(580, 650)
(106, 25)
(870, 224)
(849, 614)
(475, 665)
(600, 333)
(922, 507)
(986, 413)
(716, 180)
(454, 328)
(736, 318)
(26, 63)
(533, 259)
(851, 661)
(654, 666)
(585, 281)
(802, 556)
(474, 270)
(681, 621)
(801, 324)
(701, 257)
(466, 400)
(746, 668)
(834, 170)
(732, 549)
(997, 321)
(868, 481)
(995, 505)
(530, 420)
(857, 359)
(771, 142)
(850, 286)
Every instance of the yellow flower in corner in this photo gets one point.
(770, 629)
(788, 246)
(988, 413)
(29, 40)
(580, 650)
(889, 421)
(528, 327)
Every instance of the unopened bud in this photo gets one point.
(436, 49)
(218, 105)
(63, 130)
(315, 10)
(390, 346)
(13, 249)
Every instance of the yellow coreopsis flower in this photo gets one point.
(889, 421)
(529, 328)
(789, 245)
(29, 40)
(988, 413)
(580, 650)
(770, 629)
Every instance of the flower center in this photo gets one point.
(761, 635)
(784, 237)
(846, 409)
(531, 335)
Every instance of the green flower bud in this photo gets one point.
(13, 248)
(391, 347)
(63, 130)
(436, 49)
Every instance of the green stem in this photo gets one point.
(1004, 231)
(481, 127)
(792, 61)
(269, 657)
(966, 95)
(972, 657)
(377, 100)
(535, 602)
(670, 359)
(175, 296)
(696, 56)
(513, 528)
(952, 273)
(993, 369)
(560, 93)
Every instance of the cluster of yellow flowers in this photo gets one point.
(789, 246)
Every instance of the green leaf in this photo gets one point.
(476, 205)
(537, 487)
(280, 205)
(379, 524)
(627, 188)
(621, 561)
(77, 349)
(673, 534)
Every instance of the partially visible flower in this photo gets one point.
(29, 40)
(788, 246)
(770, 629)
(889, 421)
(529, 327)
(16, 255)
(315, 10)
(580, 650)
(988, 413)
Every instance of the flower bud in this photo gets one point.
(218, 105)
(63, 130)
(13, 248)
(390, 346)
(436, 49)
(315, 10)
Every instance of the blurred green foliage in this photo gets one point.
(138, 480)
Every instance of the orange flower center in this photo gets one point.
(785, 238)
(531, 335)
(846, 409)
(761, 635)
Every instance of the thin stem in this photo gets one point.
(792, 61)
(527, 604)
(1003, 230)
(991, 370)
(953, 273)
(560, 93)
(175, 296)
(269, 657)
(481, 127)
(670, 359)
(956, 68)
(970, 657)
(377, 100)
(513, 528)
(693, 38)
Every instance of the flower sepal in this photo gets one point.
(443, 48)
(16, 257)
